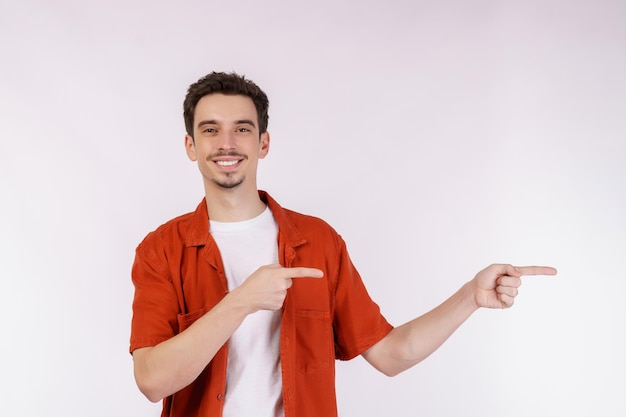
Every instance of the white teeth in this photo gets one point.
(226, 163)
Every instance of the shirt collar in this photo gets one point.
(198, 232)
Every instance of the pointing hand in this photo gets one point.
(497, 285)
(267, 287)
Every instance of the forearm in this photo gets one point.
(494, 287)
(409, 344)
(168, 367)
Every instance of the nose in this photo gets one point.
(228, 140)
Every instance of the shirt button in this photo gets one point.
(220, 397)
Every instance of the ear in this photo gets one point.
(264, 145)
(190, 147)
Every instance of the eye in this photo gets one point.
(209, 130)
(243, 130)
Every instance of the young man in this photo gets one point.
(242, 307)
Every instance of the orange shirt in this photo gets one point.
(179, 276)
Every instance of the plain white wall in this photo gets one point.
(436, 137)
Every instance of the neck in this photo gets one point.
(233, 206)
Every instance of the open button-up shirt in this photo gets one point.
(178, 276)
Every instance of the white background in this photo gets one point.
(436, 137)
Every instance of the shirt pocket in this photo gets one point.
(187, 319)
(314, 342)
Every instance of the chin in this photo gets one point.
(229, 185)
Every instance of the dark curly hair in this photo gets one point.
(229, 84)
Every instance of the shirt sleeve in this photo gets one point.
(358, 322)
(155, 304)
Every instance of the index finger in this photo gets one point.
(536, 270)
(304, 272)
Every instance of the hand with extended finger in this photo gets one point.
(497, 285)
(267, 287)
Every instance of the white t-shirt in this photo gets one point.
(253, 379)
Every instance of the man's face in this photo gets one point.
(226, 141)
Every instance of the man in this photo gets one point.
(242, 307)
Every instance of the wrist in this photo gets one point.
(236, 302)
(469, 295)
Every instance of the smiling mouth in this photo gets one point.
(227, 163)
(227, 159)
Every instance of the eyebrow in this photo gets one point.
(237, 122)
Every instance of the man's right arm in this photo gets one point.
(171, 365)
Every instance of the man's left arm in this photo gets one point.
(494, 287)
